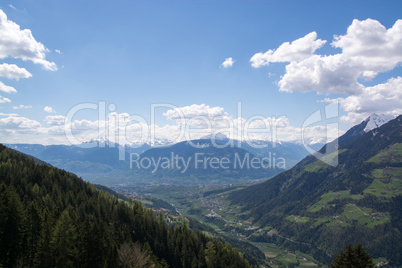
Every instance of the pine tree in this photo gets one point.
(43, 255)
(353, 257)
(11, 227)
(33, 222)
(64, 241)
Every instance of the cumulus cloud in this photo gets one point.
(55, 120)
(83, 125)
(15, 122)
(368, 48)
(4, 99)
(49, 110)
(200, 116)
(12, 71)
(21, 44)
(371, 44)
(227, 63)
(324, 74)
(194, 110)
(295, 51)
(58, 51)
(383, 98)
(7, 89)
(21, 106)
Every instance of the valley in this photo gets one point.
(209, 206)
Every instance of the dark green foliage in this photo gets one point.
(353, 257)
(64, 242)
(11, 226)
(51, 218)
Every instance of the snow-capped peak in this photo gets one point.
(101, 140)
(375, 121)
(160, 142)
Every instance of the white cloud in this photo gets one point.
(324, 74)
(383, 98)
(200, 116)
(7, 89)
(7, 114)
(194, 110)
(14, 122)
(371, 44)
(287, 52)
(12, 71)
(55, 120)
(49, 110)
(83, 125)
(13, 7)
(21, 106)
(227, 63)
(58, 51)
(368, 48)
(20, 44)
(4, 99)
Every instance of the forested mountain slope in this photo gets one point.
(51, 218)
(324, 207)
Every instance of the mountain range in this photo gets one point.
(177, 164)
(101, 164)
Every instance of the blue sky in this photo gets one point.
(136, 53)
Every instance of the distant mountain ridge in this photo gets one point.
(98, 160)
(101, 164)
(205, 161)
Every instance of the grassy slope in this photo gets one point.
(315, 198)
